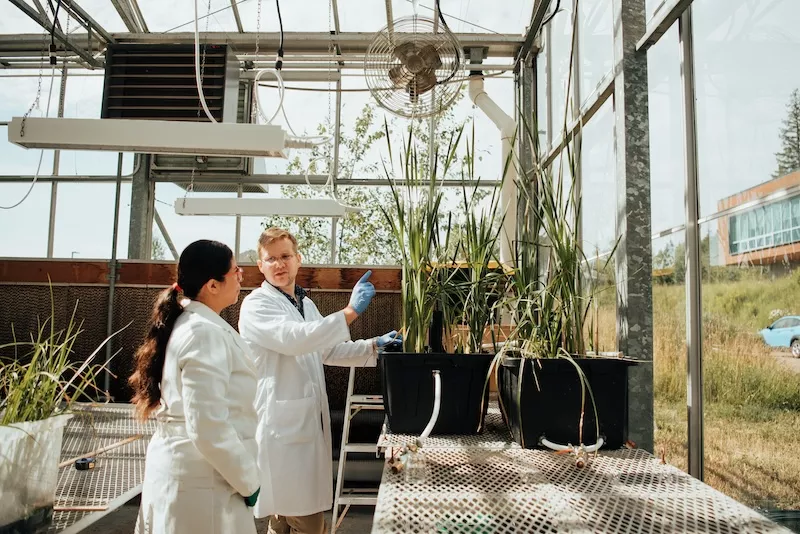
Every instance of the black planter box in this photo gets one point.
(552, 410)
(408, 391)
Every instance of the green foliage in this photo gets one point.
(738, 368)
(361, 238)
(554, 284)
(788, 159)
(43, 381)
(157, 250)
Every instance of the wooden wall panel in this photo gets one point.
(163, 274)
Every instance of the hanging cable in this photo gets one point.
(41, 154)
(447, 29)
(279, 59)
(553, 14)
(52, 48)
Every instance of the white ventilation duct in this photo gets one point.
(508, 191)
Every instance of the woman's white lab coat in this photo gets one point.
(294, 424)
(201, 460)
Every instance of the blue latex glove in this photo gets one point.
(392, 339)
(362, 293)
(251, 500)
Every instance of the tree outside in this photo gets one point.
(364, 238)
(788, 159)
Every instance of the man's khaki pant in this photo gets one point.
(307, 524)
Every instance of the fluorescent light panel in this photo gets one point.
(261, 207)
(150, 137)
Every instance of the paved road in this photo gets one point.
(787, 360)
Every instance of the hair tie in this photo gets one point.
(177, 288)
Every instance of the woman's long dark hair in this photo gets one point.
(200, 262)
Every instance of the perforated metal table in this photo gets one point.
(484, 484)
(83, 497)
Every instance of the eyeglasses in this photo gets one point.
(284, 259)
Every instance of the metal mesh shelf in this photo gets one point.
(483, 483)
(532, 491)
(118, 471)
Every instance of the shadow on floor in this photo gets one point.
(123, 521)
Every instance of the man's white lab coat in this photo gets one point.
(294, 424)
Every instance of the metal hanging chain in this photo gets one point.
(253, 118)
(202, 72)
(36, 104)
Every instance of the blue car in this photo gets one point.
(785, 332)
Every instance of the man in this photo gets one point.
(291, 341)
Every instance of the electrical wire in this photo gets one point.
(41, 154)
(447, 29)
(553, 14)
(279, 60)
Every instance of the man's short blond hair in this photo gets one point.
(270, 235)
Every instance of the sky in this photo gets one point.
(743, 49)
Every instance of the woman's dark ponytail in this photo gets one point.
(199, 262)
(149, 359)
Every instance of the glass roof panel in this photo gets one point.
(298, 16)
(104, 13)
(13, 20)
(462, 16)
(178, 15)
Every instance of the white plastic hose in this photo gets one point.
(281, 91)
(558, 447)
(197, 64)
(437, 401)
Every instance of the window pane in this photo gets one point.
(598, 186)
(667, 168)
(596, 44)
(745, 116)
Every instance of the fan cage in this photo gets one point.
(414, 94)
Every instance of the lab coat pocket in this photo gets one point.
(295, 421)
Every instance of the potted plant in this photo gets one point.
(554, 389)
(447, 304)
(37, 388)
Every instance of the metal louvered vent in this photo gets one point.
(158, 82)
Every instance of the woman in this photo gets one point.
(194, 371)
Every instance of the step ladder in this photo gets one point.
(348, 497)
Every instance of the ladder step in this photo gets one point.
(358, 499)
(360, 447)
(366, 399)
(375, 407)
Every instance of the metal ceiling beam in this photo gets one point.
(47, 25)
(499, 45)
(537, 17)
(85, 20)
(39, 6)
(235, 9)
(138, 14)
(126, 16)
(665, 17)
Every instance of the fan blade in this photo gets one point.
(400, 76)
(404, 51)
(430, 57)
(422, 83)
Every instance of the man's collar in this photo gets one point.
(299, 292)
